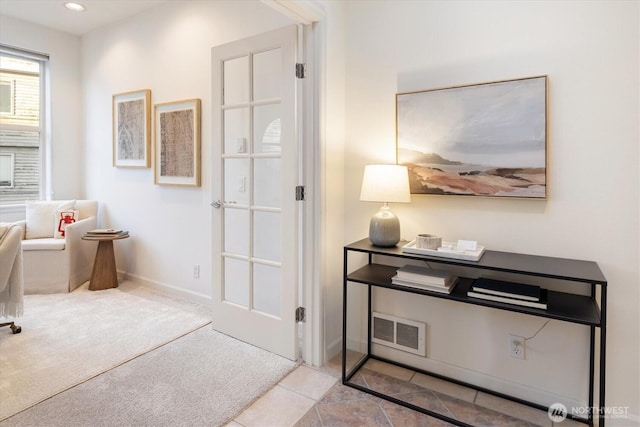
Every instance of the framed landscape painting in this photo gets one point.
(177, 146)
(486, 139)
(132, 129)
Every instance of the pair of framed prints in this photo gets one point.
(176, 148)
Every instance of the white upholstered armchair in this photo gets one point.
(11, 282)
(56, 261)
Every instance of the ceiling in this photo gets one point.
(53, 14)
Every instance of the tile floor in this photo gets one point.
(312, 397)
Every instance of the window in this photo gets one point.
(6, 170)
(21, 126)
(6, 96)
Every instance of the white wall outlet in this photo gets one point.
(516, 347)
(196, 271)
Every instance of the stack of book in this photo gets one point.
(425, 278)
(510, 293)
(106, 232)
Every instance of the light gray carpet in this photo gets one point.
(202, 378)
(69, 338)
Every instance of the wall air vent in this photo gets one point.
(401, 334)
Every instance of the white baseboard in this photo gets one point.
(334, 348)
(479, 379)
(631, 420)
(194, 297)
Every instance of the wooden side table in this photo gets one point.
(104, 274)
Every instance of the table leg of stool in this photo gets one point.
(104, 275)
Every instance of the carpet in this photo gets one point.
(202, 379)
(69, 338)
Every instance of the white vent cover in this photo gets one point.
(402, 334)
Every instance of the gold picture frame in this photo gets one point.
(177, 143)
(132, 129)
(487, 139)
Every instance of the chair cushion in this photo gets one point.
(46, 244)
(39, 216)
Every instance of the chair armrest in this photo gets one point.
(23, 225)
(80, 253)
(75, 231)
(11, 264)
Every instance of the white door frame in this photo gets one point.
(312, 269)
(313, 347)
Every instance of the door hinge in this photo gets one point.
(301, 315)
(301, 70)
(300, 192)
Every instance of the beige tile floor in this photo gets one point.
(289, 401)
(312, 397)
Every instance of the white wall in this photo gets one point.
(166, 50)
(590, 52)
(67, 170)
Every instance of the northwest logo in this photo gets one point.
(557, 412)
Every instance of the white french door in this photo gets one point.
(255, 173)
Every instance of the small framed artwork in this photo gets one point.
(132, 129)
(177, 143)
(486, 139)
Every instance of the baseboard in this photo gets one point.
(479, 379)
(334, 349)
(194, 297)
(634, 418)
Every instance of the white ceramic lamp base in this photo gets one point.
(384, 228)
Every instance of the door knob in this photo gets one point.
(217, 204)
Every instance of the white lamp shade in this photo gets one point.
(385, 183)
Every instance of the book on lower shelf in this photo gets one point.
(426, 286)
(542, 303)
(506, 289)
(431, 276)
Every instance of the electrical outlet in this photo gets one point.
(196, 271)
(516, 347)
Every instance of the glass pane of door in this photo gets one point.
(236, 130)
(236, 231)
(267, 241)
(266, 182)
(236, 80)
(266, 292)
(266, 74)
(236, 281)
(236, 185)
(266, 129)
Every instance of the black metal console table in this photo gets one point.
(589, 310)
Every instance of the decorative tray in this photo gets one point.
(447, 250)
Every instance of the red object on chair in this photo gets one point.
(66, 218)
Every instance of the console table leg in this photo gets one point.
(603, 351)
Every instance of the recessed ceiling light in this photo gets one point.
(76, 7)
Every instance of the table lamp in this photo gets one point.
(385, 183)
